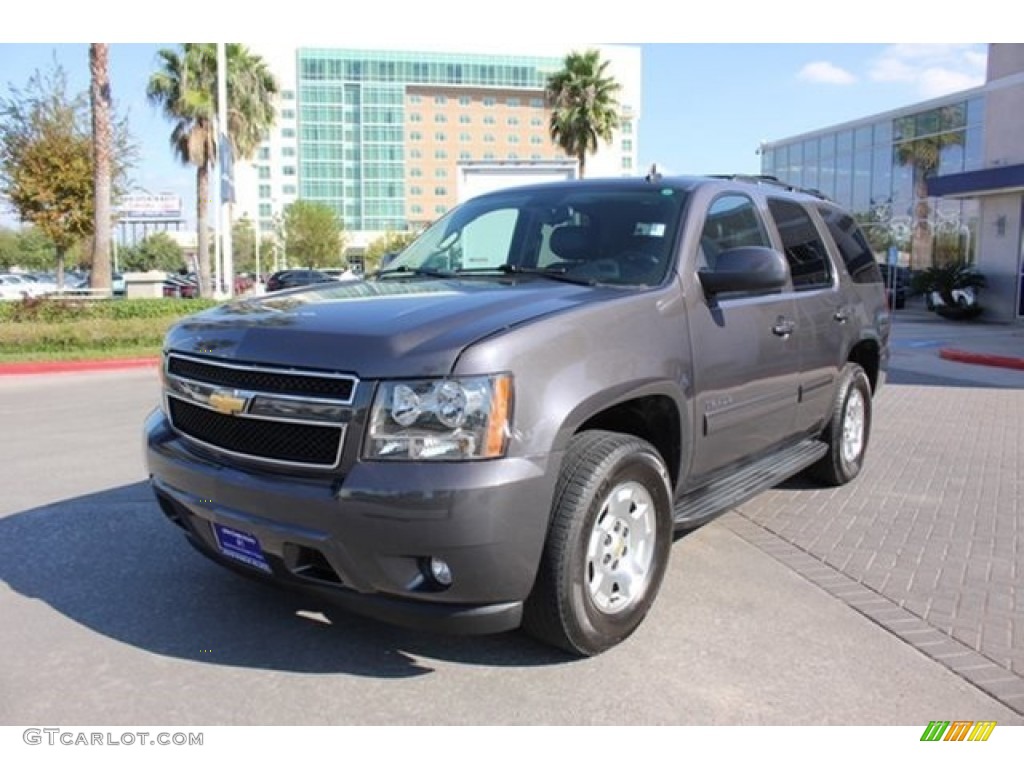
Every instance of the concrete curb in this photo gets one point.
(76, 366)
(978, 358)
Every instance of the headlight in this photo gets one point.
(445, 419)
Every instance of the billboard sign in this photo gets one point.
(149, 207)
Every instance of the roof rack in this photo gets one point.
(771, 180)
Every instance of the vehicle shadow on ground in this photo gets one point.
(111, 562)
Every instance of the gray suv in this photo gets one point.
(509, 424)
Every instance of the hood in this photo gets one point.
(374, 329)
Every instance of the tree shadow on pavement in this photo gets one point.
(111, 562)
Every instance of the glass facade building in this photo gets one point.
(352, 113)
(877, 167)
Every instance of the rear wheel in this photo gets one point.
(848, 429)
(607, 545)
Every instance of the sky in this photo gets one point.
(706, 106)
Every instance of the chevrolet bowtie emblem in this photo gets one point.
(227, 403)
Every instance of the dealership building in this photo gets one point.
(965, 151)
(382, 136)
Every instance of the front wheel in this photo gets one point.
(848, 429)
(607, 547)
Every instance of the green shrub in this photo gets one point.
(74, 329)
(48, 310)
(92, 335)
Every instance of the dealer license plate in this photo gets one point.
(240, 546)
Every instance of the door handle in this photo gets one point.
(841, 315)
(783, 327)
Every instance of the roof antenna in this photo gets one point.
(654, 174)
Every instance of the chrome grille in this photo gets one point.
(277, 416)
(330, 386)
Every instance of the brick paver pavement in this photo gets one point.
(929, 540)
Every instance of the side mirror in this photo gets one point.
(747, 269)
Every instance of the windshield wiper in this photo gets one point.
(552, 273)
(414, 272)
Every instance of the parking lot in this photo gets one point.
(889, 601)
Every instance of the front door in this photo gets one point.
(745, 359)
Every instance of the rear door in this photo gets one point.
(821, 314)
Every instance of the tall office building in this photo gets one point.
(379, 135)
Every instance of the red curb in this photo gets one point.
(75, 366)
(975, 358)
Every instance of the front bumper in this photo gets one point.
(362, 540)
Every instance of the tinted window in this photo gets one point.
(805, 251)
(853, 246)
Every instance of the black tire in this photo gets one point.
(848, 429)
(598, 547)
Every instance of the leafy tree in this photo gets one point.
(243, 246)
(9, 252)
(185, 88)
(389, 242)
(35, 249)
(158, 251)
(922, 155)
(584, 105)
(102, 109)
(45, 168)
(313, 234)
(46, 162)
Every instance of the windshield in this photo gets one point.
(591, 233)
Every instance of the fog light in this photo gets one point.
(440, 572)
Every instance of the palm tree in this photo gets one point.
(922, 156)
(99, 97)
(584, 107)
(185, 88)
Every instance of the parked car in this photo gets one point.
(14, 286)
(294, 278)
(182, 286)
(244, 283)
(340, 274)
(12, 290)
(509, 424)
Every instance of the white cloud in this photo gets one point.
(934, 70)
(825, 72)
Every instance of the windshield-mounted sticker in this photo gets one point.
(649, 229)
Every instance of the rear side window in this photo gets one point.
(805, 250)
(853, 246)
